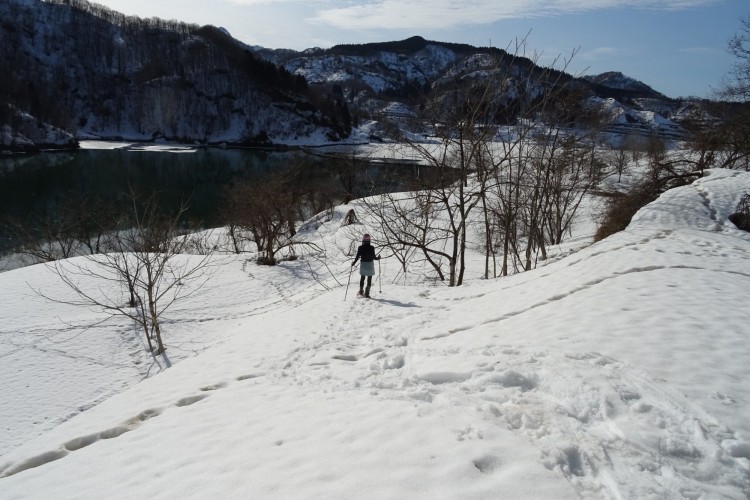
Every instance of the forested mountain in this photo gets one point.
(79, 70)
(387, 80)
(82, 68)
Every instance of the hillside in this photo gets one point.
(617, 371)
(95, 73)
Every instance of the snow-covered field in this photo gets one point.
(618, 371)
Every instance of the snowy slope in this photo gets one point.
(383, 70)
(617, 372)
(626, 120)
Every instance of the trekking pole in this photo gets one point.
(380, 286)
(348, 281)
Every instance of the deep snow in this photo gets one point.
(618, 371)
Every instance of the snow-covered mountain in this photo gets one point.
(382, 68)
(617, 371)
(639, 120)
(373, 77)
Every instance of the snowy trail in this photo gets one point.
(620, 420)
(619, 372)
(591, 418)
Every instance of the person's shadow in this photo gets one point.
(394, 302)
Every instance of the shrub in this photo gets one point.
(621, 208)
(741, 217)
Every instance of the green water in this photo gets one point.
(34, 184)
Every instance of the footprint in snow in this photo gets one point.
(487, 464)
(214, 387)
(345, 357)
(79, 443)
(190, 400)
(724, 398)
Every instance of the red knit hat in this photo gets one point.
(366, 237)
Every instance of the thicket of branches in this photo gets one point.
(261, 213)
(79, 225)
(519, 193)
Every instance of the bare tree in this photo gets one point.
(618, 157)
(143, 274)
(411, 227)
(460, 123)
(346, 168)
(578, 170)
(539, 176)
(724, 141)
(263, 212)
(233, 209)
(267, 218)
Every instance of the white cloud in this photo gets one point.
(603, 52)
(436, 14)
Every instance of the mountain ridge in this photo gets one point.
(98, 74)
(377, 78)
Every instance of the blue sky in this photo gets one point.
(678, 47)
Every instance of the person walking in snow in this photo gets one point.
(366, 252)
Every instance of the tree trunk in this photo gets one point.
(506, 248)
(487, 239)
(146, 332)
(462, 256)
(154, 320)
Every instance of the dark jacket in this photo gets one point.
(366, 252)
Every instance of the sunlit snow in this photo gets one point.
(618, 371)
